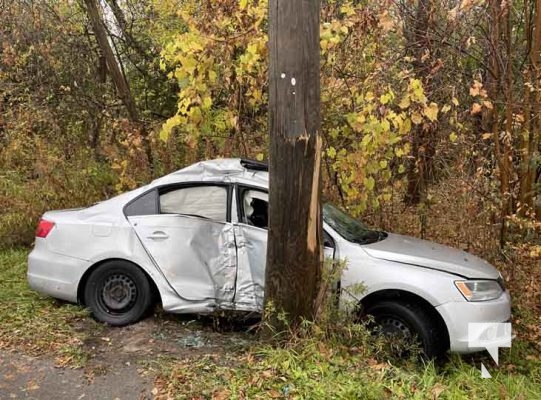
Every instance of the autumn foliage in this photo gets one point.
(422, 102)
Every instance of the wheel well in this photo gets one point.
(403, 295)
(84, 279)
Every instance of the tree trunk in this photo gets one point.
(529, 142)
(126, 31)
(534, 140)
(119, 80)
(507, 142)
(422, 142)
(112, 64)
(95, 123)
(294, 253)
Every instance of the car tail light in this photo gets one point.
(44, 227)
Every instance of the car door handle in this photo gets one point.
(158, 235)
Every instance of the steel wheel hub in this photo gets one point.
(392, 326)
(119, 292)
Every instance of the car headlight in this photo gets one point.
(479, 290)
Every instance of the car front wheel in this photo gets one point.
(118, 293)
(409, 321)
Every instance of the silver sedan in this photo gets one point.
(195, 241)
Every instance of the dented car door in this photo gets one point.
(192, 242)
(251, 236)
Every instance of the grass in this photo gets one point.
(38, 324)
(346, 365)
(320, 369)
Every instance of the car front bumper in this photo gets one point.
(54, 274)
(458, 315)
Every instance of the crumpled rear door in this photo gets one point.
(196, 255)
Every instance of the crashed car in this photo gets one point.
(195, 241)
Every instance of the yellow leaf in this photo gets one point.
(243, 4)
(383, 164)
(260, 157)
(404, 103)
(207, 102)
(453, 137)
(416, 118)
(385, 98)
(431, 112)
(455, 101)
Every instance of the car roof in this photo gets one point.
(219, 170)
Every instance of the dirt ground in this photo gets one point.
(120, 363)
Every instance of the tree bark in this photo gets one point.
(112, 64)
(119, 80)
(423, 147)
(294, 253)
(529, 139)
(534, 141)
(126, 32)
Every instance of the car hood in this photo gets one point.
(410, 250)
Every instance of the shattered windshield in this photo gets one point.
(348, 227)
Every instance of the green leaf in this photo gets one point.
(369, 183)
(331, 152)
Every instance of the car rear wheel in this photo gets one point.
(118, 293)
(410, 322)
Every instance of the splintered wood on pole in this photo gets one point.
(294, 252)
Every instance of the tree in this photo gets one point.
(294, 254)
(113, 67)
(419, 47)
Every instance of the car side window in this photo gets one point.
(202, 201)
(147, 204)
(255, 212)
(255, 206)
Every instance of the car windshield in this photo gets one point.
(348, 227)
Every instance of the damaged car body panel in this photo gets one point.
(197, 256)
(197, 238)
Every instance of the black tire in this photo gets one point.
(409, 320)
(118, 293)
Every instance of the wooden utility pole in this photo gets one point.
(294, 253)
